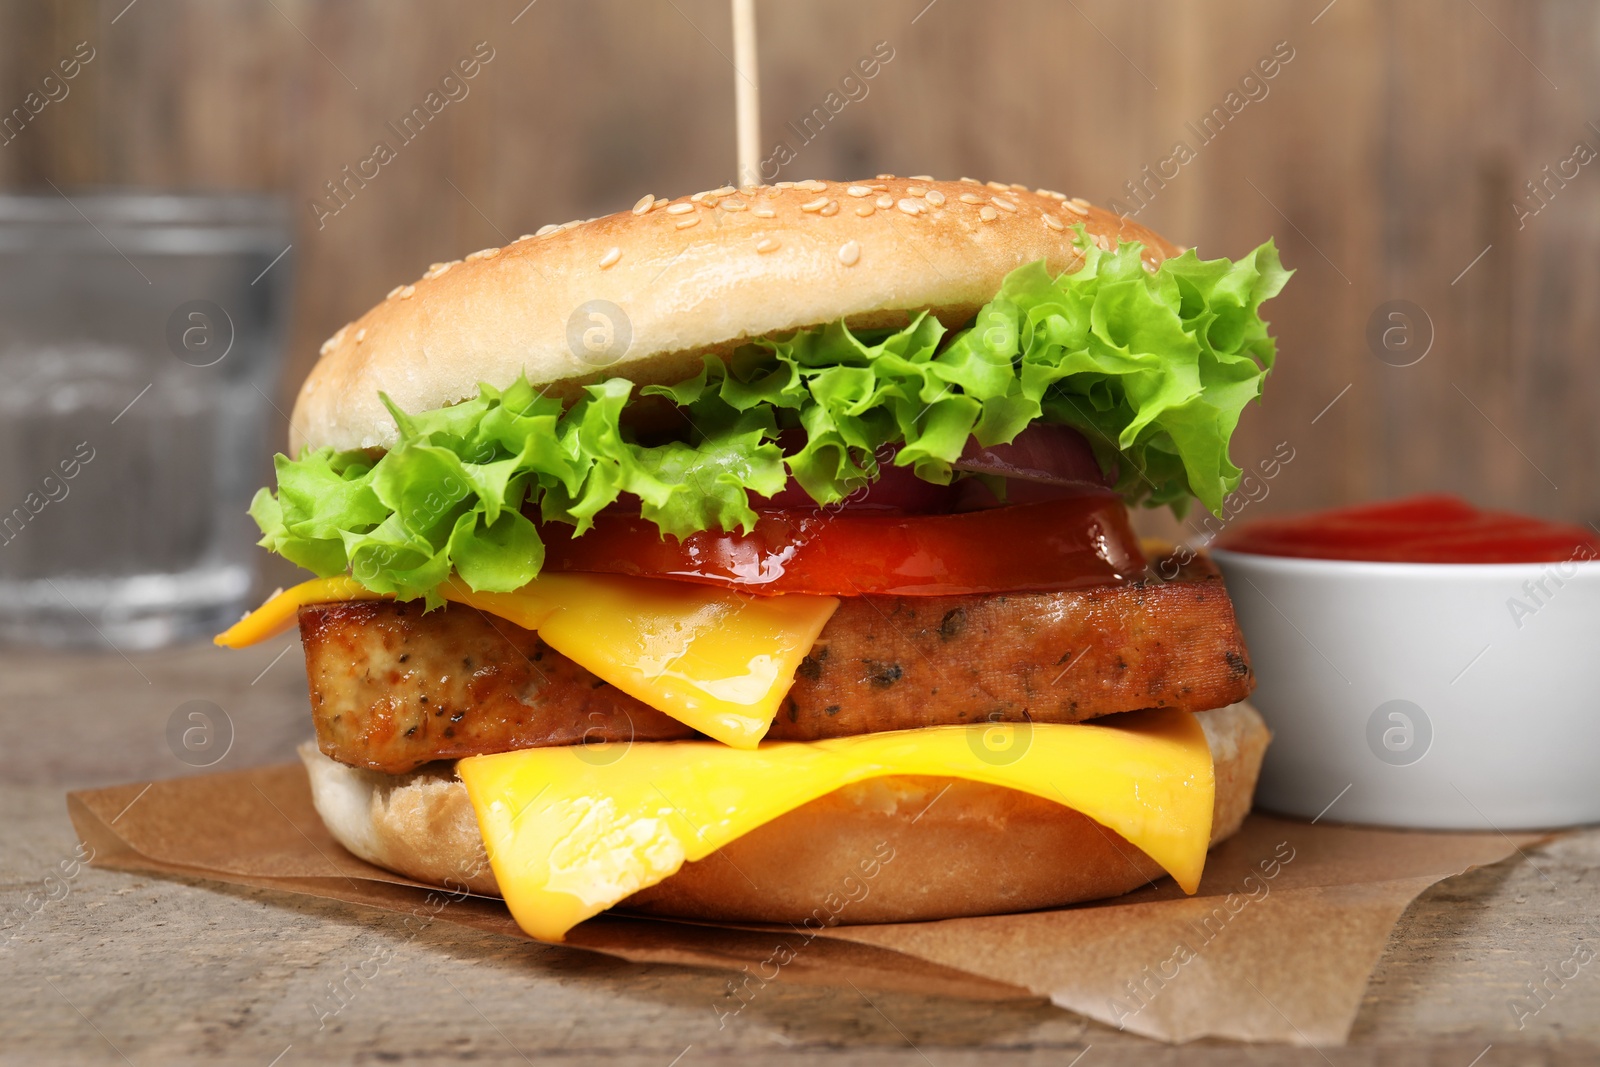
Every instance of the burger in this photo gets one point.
(765, 555)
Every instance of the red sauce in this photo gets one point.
(1417, 529)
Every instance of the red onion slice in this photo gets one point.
(1051, 455)
(1043, 462)
(895, 489)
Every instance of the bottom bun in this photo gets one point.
(892, 849)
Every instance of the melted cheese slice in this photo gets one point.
(718, 661)
(569, 835)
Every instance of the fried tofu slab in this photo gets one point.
(394, 687)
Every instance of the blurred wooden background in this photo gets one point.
(1386, 157)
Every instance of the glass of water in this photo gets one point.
(141, 340)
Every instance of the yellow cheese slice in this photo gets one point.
(568, 836)
(718, 661)
(283, 607)
(715, 660)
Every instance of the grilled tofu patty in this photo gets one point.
(393, 687)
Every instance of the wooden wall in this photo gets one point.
(1385, 157)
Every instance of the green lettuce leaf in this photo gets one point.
(1153, 368)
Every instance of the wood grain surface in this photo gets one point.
(1386, 156)
(103, 966)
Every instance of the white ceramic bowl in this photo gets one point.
(1439, 696)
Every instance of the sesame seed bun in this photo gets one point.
(957, 847)
(642, 293)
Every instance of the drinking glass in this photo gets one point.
(141, 341)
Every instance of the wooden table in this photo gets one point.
(107, 967)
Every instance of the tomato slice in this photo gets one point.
(1071, 543)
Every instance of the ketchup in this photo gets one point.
(1420, 529)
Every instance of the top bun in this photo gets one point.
(643, 293)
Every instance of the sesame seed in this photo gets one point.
(1074, 207)
(680, 209)
(734, 205)
(574, 224)
(972, 181)
(1054, 223)
(849, 252)
(394, 292)
(864, 210)
(934, 197)
(910, 207)
(829, 209)
(916, 190)
(645, 203)
(697, 197)
(489, 253)
(815, 205)
(361, 335)
(762, 212)
(859, 190)
(767, 244)
(408, 292)
(971, 198)
(1002, 186)
(922, 177)
(684, 224)
(988, 214)
(1019, 187)
(612, 255)
(526, 237)
(784, 185)
(885, 201)
(434, 266)
(811, 185)
(726, 190)
(546, 230)
(1104, 242)
(1080, 201)
(883, 177)
(327, 346)
(1003, 204)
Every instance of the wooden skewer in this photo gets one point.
(747, 92)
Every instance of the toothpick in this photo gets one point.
(747, 92)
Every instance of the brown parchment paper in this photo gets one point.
(1276, 946)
